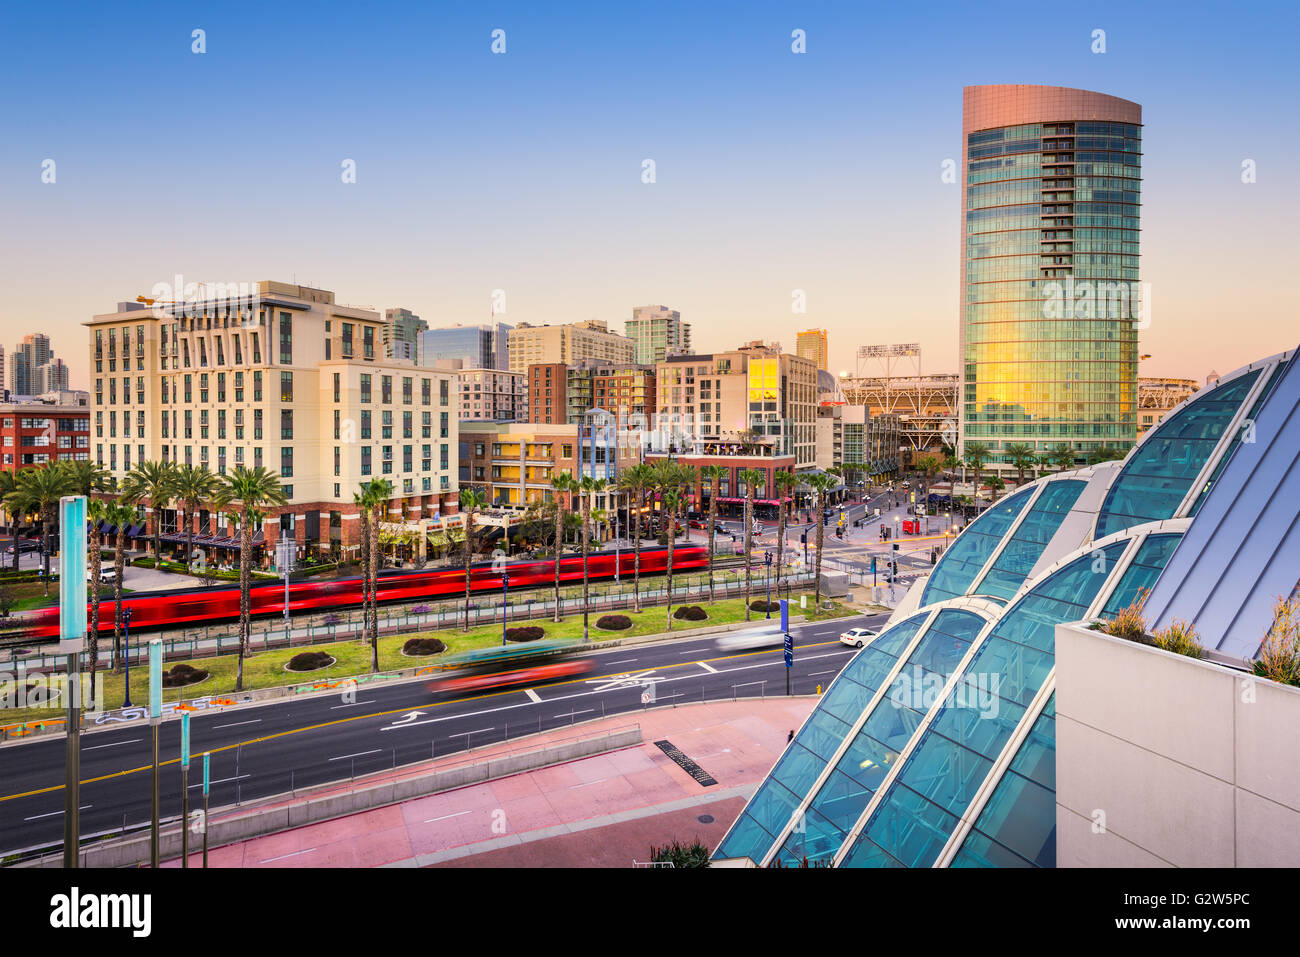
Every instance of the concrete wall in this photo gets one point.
(256, 822)
(1168, 761)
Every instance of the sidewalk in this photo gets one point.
(602, 811)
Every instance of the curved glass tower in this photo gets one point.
(1051, 304)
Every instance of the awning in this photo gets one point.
(135, 531)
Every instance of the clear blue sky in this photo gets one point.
(521, 171)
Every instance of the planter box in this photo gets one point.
(1164, 760)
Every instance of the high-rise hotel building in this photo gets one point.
(1051, 203)
(294, 382)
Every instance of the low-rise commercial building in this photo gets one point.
(38, 430)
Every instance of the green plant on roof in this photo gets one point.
(1279, 656)
(1180, 638)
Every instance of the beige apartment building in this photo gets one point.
(567, 344)
(752, 396)
(287, 379)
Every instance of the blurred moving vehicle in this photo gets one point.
(24, 546)
(508, 667)
(767, 635)
(857, 637)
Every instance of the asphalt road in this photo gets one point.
(268, 749)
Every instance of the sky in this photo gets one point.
(523, 171)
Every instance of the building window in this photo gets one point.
(365, 387)
(286, 423)
(286, 461)
(338, 387)
(286, 338)
(286, 386)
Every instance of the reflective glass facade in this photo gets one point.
(969, 553)
(1051, 219)
(1157, 477)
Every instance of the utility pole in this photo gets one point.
(185, 789)
(72, 639)
(206, 786)
(155, 719)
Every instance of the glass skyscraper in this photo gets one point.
(1051, 303)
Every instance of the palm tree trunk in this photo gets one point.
(245, 579)
(47, 519)
(469, 538)
(749, 541)
(586, 544)
(672, 544)
(713, 526)
(559, 540)
(374, 592)
(189, 540)
(96, 566)
(636, 551)
(821, 536)
(119, 565)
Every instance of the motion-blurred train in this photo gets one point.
(158, 610)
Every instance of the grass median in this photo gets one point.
(266, 669)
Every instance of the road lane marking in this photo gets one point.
(352, 705)
(381, 714)
(236, 724)
(359, 754)
(113, 745)
(533, 696)
(707, 667)
(622, 661)
(37, 817)
(222, 780)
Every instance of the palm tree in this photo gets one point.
(86, 478)
(37, 491)
(636, 481)
(821, 484)
(561, 482)
(977, 455)
(363, 501)
(471, 501)
(785, 483)
(587, 487)
(713, 474)
(156, 482)
(995, 485)
(121, 515)
(1104, 453)
(250, 490)
(950, 460)
(194, 487)
(9, 485)
(752, 478)
(1020, 456)
(95, 512)
(378, 491)
(670, 499)
(1060, 456)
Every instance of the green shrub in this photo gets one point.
(613, 622)
(416, 647)
(690, 613)
(310, 661)
(1180, 638)
(678, 854)
(1129, 622)
(1279, 656)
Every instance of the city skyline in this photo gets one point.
(563, 223)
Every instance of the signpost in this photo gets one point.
(286, 549)
(789, 642)
(185, 789)
(72, 639)
(155, 719)
(207, 778)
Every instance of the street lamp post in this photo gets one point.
(768, 602)
(126, 626)
(505, 606)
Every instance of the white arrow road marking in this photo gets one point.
(633, 679)
(406, 719)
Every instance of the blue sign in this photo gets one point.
(72, 570)
(789, 658)
(785, 614)
(155, 679)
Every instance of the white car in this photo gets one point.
(763, 637)
(857, 637)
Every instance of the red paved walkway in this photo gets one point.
(602, 811)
